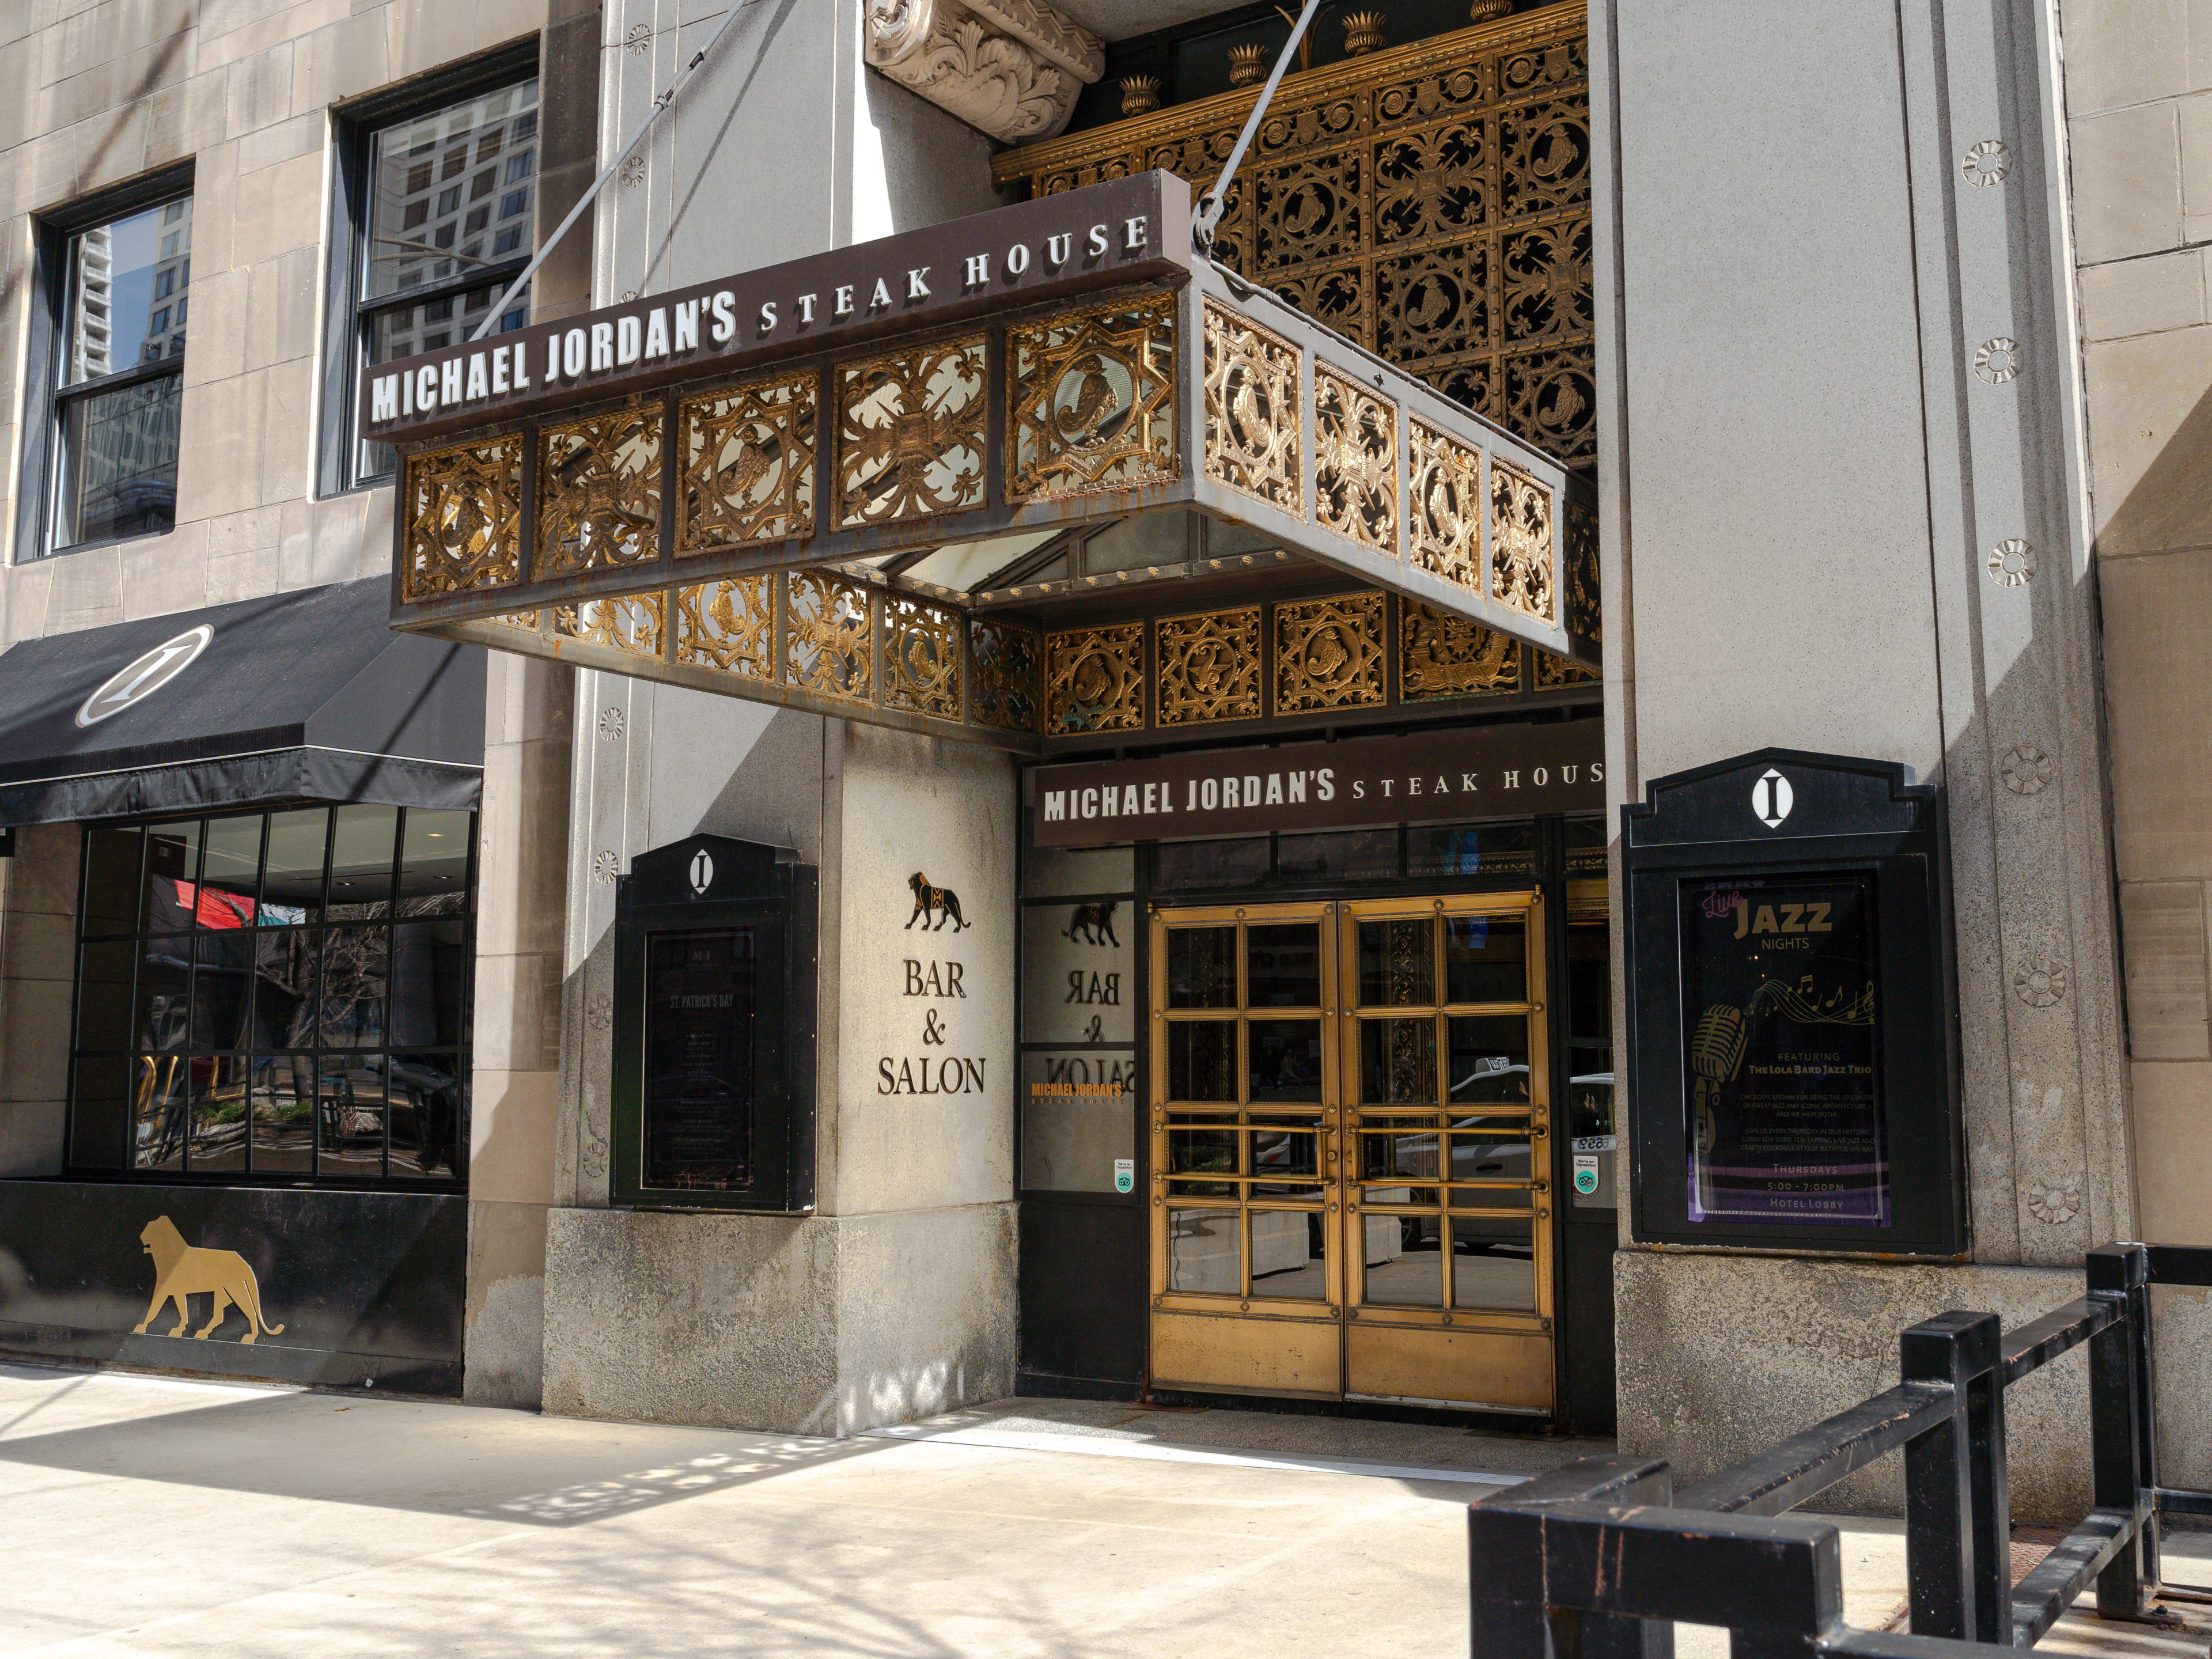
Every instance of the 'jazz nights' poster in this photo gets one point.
(1783, 1052)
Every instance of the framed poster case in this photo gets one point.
(713, 1029)
(1792, 1030)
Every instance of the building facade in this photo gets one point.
(965, 799)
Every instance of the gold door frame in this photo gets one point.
(1337, 1345)
(1449, 1355)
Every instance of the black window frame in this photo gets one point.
(86, 936)
(38, 504)
(354, 127)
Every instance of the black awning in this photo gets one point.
(305, 695)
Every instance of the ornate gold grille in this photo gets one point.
(748, 465)
(1209, 667)
(630, 625)
(1328, 653)
(1446, 531)
(827, 648)
(1092, 400)
(463, 519)
(598, 501)
(1521, 542)
(921, 658)
(1095, 680)
(1008, 668)
(1355, 462)
(1440, 655)
(728, 625)
(1431, 200)
(1252, 410)
(910, 434)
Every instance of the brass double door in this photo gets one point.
(1350, 1125)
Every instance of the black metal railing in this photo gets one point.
(1597, 1560)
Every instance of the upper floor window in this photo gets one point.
(119, 386)
(444, 202)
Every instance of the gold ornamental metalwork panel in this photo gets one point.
(1584, 616)
(598, 493)
(1328, 653)
(1521, 542)
(1355, 461)
(1252, 410)
(1431, 201)
(1445, 527)
(631, 625)
(1209, 667)
(1441, 655)
(748, 459)
(1007, 684)
(1091, 401)
(910, 434)
(921, 658)
(728, 625)
(1095, 680)
(829, 636)
(464, 508)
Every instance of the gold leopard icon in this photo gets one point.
(182, 1270)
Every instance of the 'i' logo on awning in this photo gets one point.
(1771, 798)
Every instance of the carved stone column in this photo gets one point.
(1008, 68)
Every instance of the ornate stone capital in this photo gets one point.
(1009, 68)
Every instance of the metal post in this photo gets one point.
(2146, 1408)
(2117, 1273)
(1950, 1556)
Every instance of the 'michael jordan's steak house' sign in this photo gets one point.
(1489, 772)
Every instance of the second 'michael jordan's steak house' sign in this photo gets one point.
(1488, 772)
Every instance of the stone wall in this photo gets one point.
(2139, 120)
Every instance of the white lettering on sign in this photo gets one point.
(674, 329)
(1056, 805)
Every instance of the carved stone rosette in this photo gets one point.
(1008, 68)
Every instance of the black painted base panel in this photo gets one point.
(264, 1361)
(1045, 1385)
(337, 1289)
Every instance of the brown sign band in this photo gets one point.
(1431, 777)
(1120, 231)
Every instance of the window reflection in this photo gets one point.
(289, 994)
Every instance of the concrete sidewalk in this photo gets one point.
(146, 1516)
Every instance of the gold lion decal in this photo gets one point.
(182, 1270)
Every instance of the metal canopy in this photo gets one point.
(850, 483)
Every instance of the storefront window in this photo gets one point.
(276, 994)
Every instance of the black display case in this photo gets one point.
(1792, 1031)
(713, 1028)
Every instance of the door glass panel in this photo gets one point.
(1289, 1257)
(1286, 1059)
(1490, 1060)
(1398, 1062)
(1202, 1252)
(1494, 1263)
(1348, 855)
(1485, 959)
(1195, 865)
(1283, 966)
(1285, 1154)
(1383, 1156)
(1490, 1197)
(1488, 849)
(1397, 968)
(1404, 1261)
(1202, 1151)
(1202, 1060)
(1488, 1155)
(1202, 968)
